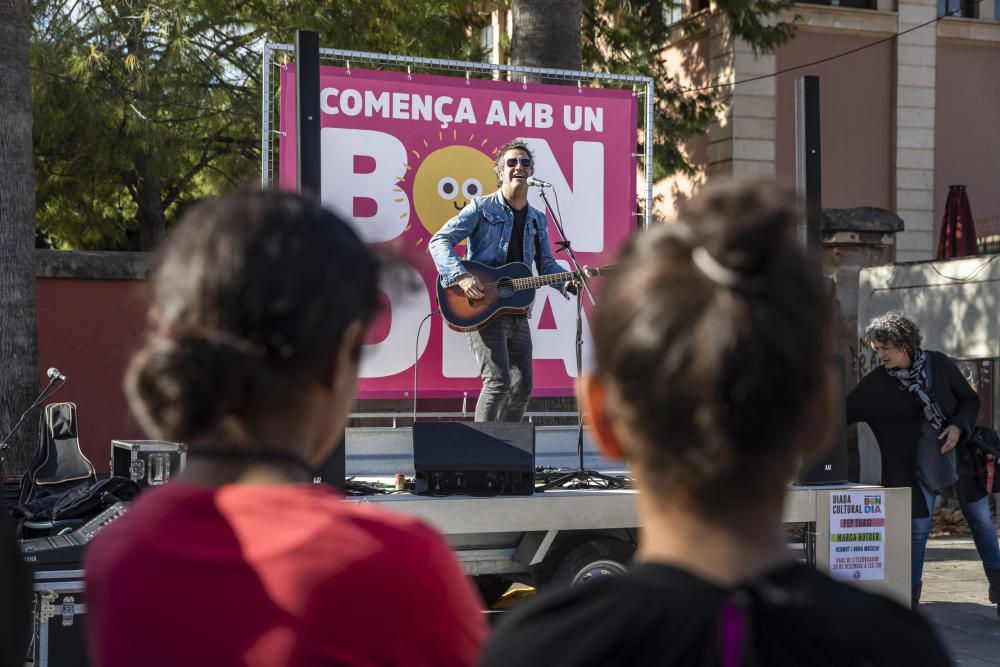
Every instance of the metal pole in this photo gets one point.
(265, 121)
(808, 160)
(307, 148)
(649, 155)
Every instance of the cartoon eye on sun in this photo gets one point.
(446, 181)
(448, 189)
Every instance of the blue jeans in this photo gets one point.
(980, 521)
(503, 350)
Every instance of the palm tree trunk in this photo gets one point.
(547, 33)
(18, 347)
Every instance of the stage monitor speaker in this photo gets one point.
(831, 466)
(473, 458)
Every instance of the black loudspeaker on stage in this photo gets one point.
(831, 466)
(466, 458)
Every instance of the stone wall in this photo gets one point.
(92, 265)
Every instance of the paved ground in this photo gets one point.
(954, 601)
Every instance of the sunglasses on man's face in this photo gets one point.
(525, 162)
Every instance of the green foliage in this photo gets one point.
(143, 107)
(631, 36)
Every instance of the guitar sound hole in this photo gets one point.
(505, 288)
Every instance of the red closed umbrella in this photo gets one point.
(958, 231)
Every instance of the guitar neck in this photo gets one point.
(534, 282)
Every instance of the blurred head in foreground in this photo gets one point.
(712, 371)
(260, 301)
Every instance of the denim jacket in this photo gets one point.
(487, 223)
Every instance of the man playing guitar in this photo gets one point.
(501, 228)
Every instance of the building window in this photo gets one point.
(853, 4)
(486, 41)
(965, 8)
(673, 11)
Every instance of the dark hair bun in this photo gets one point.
(185, 383)
(749, 232)
(253, 293)
(713, 334)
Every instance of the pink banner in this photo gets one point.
(390, 140)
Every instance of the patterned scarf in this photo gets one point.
(914, 380)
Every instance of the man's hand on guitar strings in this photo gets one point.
(470, 284)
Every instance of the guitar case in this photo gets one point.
(58, 464)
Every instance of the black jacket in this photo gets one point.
(15, 596)
(664, 616)
(895, 416)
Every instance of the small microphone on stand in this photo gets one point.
(537, 182)
(47, 391)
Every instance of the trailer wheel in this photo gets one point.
(491, 587)
(590, 560)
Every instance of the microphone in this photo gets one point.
(537, 182)
(54, 374)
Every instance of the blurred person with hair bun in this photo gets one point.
(260, 304)
(712, 378)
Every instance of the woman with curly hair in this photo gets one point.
(919, 405)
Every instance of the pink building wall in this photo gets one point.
(88, 328)
(856, 128)
(967, 133)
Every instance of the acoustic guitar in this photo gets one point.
(509, 289)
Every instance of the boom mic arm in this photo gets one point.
(53, 375)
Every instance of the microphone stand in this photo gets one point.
(581, 474)
(5, 443)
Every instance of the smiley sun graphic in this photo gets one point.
(447, 180)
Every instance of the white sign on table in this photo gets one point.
(857, 535)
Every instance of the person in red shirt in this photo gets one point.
(260, 304)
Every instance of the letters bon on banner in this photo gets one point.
(402, 154)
